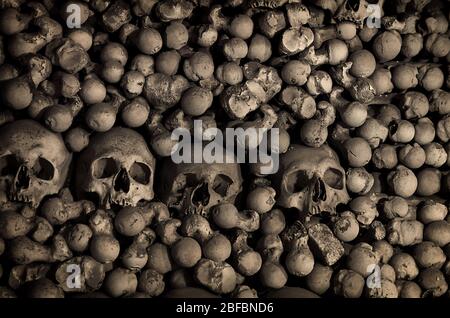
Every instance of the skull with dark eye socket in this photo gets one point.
(311, 180)
(356, 10)
(193, 188)
(118, 167)
(33, 162)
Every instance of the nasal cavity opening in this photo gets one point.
(200, 197)
(319, 192)
(122, 182)
(23, 179)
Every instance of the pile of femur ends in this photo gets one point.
(356, 93)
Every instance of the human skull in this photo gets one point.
(118, 167)
(311, 180)
(352, 10)
(34, 161)
(193, 188)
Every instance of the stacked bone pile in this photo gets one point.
(92, 205)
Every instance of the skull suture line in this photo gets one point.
(34, 161)
(311, 180)
(194, 188)
(118, 167)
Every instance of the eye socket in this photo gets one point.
(221, 184)
(104, 168)
(334, 178)
(9, 165)
(297, 181)
(140, 172)
(190, 180)
(352, 5)
(43, 169)
(182, 181)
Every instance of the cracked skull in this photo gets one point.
(118, 167)
(34, 161)
(311, 180)
(193, 188)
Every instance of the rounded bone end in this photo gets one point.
(189, 292)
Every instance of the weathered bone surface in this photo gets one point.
(95, 201)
